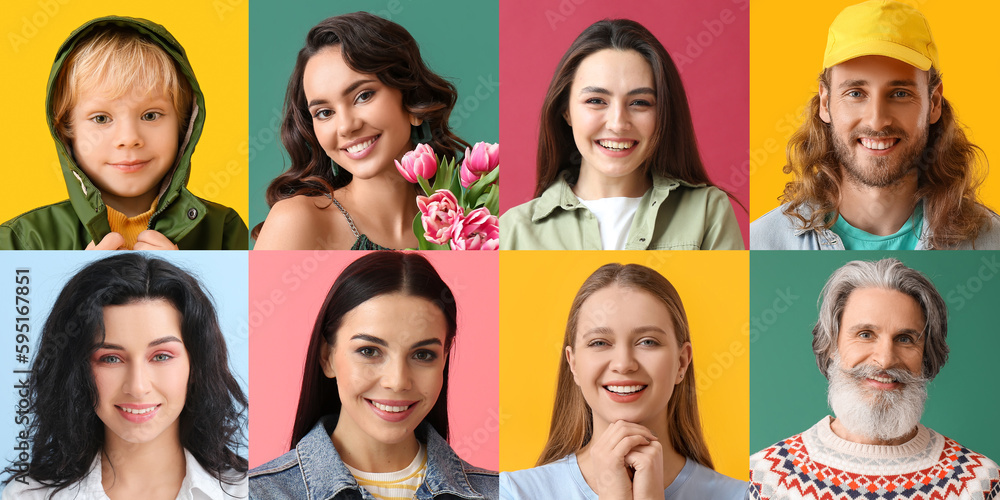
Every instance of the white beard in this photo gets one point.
(872, 413)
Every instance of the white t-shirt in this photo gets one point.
(562, 479)
(198, 485)
(399, 484)
(614, 218)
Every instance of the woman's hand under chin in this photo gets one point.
(626, 462)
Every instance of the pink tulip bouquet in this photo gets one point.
(460, 209)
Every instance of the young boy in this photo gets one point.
(126, 112)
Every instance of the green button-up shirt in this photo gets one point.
(672, 215)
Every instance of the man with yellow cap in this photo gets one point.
(880, 162)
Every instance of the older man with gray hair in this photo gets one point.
(880, 337)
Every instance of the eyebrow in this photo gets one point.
(864, 83)
(159, 341)
(602, 90)
(603, 330)
(375, 340)
(350, 88)
(869, 326)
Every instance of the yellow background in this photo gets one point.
(213, 32)
(536, 290)
(787, 41)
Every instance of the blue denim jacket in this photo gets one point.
(314, 471)
(776, 231)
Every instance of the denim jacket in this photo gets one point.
(314, 471)
(776, 231)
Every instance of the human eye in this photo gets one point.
(162, 357)
(322, 114)
(368, 352)
(110, 359)
(648, 342)
(101, 119)
(641, 103)
(906, 339)
(594, 100)
(901, 93)
(425, 355)
(854, 94)
(364, 96)
(598, 343)
(151, 116)
(865, 334)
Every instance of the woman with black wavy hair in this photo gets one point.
(130, 391)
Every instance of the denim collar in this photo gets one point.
(325, 474)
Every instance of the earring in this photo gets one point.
(334, 169)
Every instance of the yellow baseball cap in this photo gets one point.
(881, 28)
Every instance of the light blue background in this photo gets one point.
(224, 275)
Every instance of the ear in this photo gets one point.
(566, 117)
(571, 359)
(937, 98)
(824, 103)
(415, 120)
(685, 361)
(326, 361)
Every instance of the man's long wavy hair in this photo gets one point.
(951, 171)
(572, 419)
(369, 45)
(65, 431)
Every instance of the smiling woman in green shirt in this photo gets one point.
(618, 164)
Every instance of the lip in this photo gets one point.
(392, 416)
(364, 152)
(129, 165)
(138, 418)
(624, 398)
(885, 386)
(616, 154)
(879, 152)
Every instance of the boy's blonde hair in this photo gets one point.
(119, 61)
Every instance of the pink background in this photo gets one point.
(712, 56)
(286, 292)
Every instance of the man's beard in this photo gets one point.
(879, 171)
(874, 413)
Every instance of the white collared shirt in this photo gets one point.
(198, 485)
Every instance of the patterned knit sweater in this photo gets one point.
(818, 465)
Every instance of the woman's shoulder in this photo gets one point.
(704, 482)
(559, 479)
(305, 223)
(30, 489)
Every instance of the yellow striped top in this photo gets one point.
(399, 485)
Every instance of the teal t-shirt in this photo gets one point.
(904, 239)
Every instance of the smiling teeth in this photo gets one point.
(625, 389)
(392, 409)
(616, 146)
(878, 145)
(137, 411)
(883, 379)
(357, 148)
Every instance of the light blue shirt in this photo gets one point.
(562, 479)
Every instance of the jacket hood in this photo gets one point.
(84, 196)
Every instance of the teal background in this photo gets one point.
(224, 275)
(787, 391)
(458, 40)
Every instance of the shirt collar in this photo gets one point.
(560, 194)
(198, 483)
(326, 475)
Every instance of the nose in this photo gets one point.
(624, 359)
(347, 122)
(396, 375)
(128, 135)
(884, 353)
(137, 380)
(878, 116)
(618, 117)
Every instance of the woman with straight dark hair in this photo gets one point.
(618, 162)
(372, 417)
(130, 391)
(360, 97)
(625, 424)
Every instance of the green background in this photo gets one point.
(458, 40)
(787, 391)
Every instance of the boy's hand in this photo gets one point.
(153, 240)
(111, 241)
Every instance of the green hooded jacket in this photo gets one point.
(190, 222)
